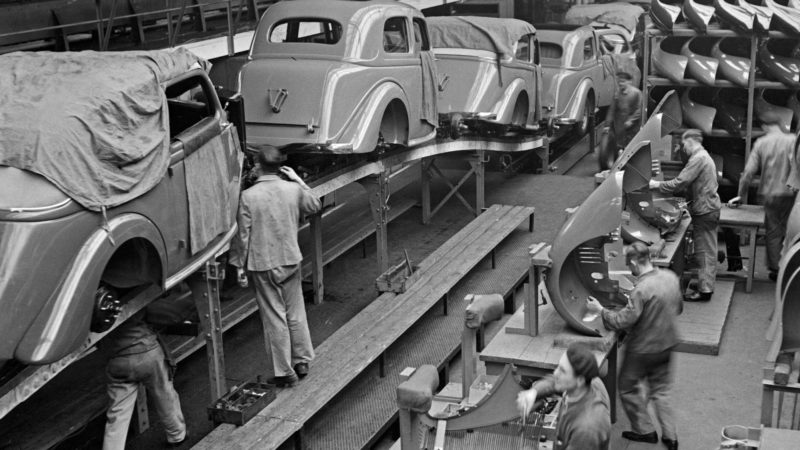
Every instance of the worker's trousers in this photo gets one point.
(704, 232)
(283, 315)
(776, 216)
(124, 374)
(654, 370)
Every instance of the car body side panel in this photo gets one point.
(363, 127)
(64, 321)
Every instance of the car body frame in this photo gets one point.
(64, 267)
(345, 78)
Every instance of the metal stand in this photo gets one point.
(377, 187)
(540, 262)
(205, 291)
(317, 264)
(477, 162)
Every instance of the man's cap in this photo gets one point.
(636, 251)
(624, 75)
(770, 117)
(693, 133)
(583, 362)
(267, 154)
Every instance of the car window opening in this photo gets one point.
(395, 39)
(523, 49)
(310, 31)
(550, 53)
(188, 105)
(421, 42)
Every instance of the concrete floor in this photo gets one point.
(710, 391)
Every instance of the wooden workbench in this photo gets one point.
(672, 256)
(748, 218)
(538, 356)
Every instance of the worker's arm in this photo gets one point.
(241, 241)
(752, 168)
(625, 317)
(309, 204)
(683, 180)
(542, 388)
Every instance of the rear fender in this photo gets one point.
(363, 128)
(63, 324)
(504, 108)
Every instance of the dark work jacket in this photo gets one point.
(699, 178)
(651, 315)
(584, 424)
(133, 337)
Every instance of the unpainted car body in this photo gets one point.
(577, 76)
(58, 260)
(488, 71)
(339, 77)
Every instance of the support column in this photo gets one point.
(377, 187)
(478, 164)
(425, 181)
(317, 265)
(205, 291)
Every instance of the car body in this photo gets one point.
(349, 78)
(65, 265)
(578, 76)
(489, 74)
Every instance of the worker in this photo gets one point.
(771, 158)
(626, 110)
(584, 421)
(650, 320)
(266, 248)
(699, 179)
(138, 357)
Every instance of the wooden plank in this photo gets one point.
(357, 344)
(744, 215)
(701, 324)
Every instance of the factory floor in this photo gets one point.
(710, 391)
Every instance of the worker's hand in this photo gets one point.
(734, 202)
(525, 401)
(241, 276)
(628, 123)
(654, 184)
(291, 174)
(593, 305)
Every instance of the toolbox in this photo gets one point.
(242, 402)
(398, 278)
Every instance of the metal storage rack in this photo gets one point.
(651, 80)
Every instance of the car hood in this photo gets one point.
(27, 196)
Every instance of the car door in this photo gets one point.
(527, 58)
(600, 71)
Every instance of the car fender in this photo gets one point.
(63, 324)
(778, 67)
(664, 15)
(698, 15)
(361, 131)
(573, 110)
(701, 67)
(504, 108)
(735, 69)
(763, 107)
(734, 16)
(787, 305)
(670, 65)
(695, 114)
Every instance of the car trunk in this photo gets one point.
(469, 80)
(285, 91)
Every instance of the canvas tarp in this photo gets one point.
(478, 33)
(95, 124)
(619, 13)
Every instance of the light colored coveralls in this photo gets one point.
(650, 317)
(699, 176)
(266, 245)
(139, 358)
(771, 157)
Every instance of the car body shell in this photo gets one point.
(780, 67)
(337, 97)
(574, 69)
(483, 85)
(55, 253)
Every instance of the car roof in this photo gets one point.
(333, 9)
(478, 33)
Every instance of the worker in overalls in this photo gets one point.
(138, 358)
(699, 179)
(651, 321)
(266, 247)
(771, 158)
(625, 110)
(584, 421)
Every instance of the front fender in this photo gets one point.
(361, 131)
(63, 324)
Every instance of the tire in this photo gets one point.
(588, 113)
(455, 126)
(607, 151)
(107, 307)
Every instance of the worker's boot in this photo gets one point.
(284, 381)
(650, 438)
(672, 444)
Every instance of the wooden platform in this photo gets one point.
(701, 324)
(363, 339)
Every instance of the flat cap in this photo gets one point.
(693, 133)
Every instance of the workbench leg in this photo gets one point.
(766, 406)
(317, 266)
(468, 359)
(612, 379)
(478, 166)
(425, 182)
(752, 252)
(377, 187)
(205, 291)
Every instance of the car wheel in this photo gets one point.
(107, 307)
(456, 122)
(588, 113)
(607, 153)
